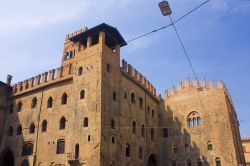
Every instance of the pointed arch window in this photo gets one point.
(34, 102)
(127, 150)
(134, 127)
(64, 99)
(32, 128)
(133, 98)
(209, 146)
(44, 126)
(152, 135)
(50, 102)
(82, 94)
(114, 96)
(62, 123)
(19, 130)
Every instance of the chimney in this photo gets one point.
(9, 79)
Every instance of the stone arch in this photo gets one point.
(152, 161)
(7, 158)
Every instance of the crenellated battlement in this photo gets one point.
(132, 73)
(72, 34)
(45, 78)
(202, 84)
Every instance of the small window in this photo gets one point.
(152, 135)
(10, 132)
(132, 98)
(112, 124)
(189, 162)
(88, 138)
(82, 94)
(125, 95)
(140, 152)
(141, 102)
(77, 151)
(209, 146)
(175, 149)
(108, 67)
(44, 126)
(143, 131)
(114, 96)
(134, 127)
(11, 108)
(62, 123)
(153, 113)
(50, 102)
(165, 133)
(19, 106)
(32, 128)
(85, 122)
(127, 150)
(27, 149)
(80, 71)
(60, 146)
(217, 161)
(199, 162)
(186, 148)
(19, 130)
(64, 99)
(34, 102)
(113, 140)
(148, 109)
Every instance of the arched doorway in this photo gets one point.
(152, 160)
(7, 158)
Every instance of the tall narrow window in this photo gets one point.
(108, 67)
(82, 94)
(141, 102)
(19, 106)
(127, 150)
(44, 126)
(217, 161)
(153, 113)
(165, 133)
(114, 96)
(134, 127)
(27, 149)
(11, 107)
(152, 135)
(209, 145)
(50, 102)
(19, 130)
(80, 71)
(199, 163)
(32, 128)
(189, 162)
(77, 151)
(198, 121)
(194, 122)
(143, 131)
(125, 95)
(140, 152)
(132, 98)
(62, 123)
(186, 148)
(10, 132)
(64, 99)
(190, 122)
(85, 122)
(34, 102)
(60, 146)
(175, 149)
(112, 124)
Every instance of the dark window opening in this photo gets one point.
(27, 149)
(199, 163)
(82, 94)
(140, 152)
(62, 123)
(189, 162)
(112, 124)
(64, 99)
(143, 131)
(32, 128)
(10, 131)
(19, 106)
(80, 71)
(127, 150)
(19, 130)
(125, 95)
(88, 137)
(153, 113)
(85, 122)
(132, 98)
(44, 126)
(77, 151)
(141, 102)
(165, 133)
(134, 127)
(50, 102)
(217, 161)
(34, 102)
(60, 147)
(209, 146)
(113, 140)
(114, 96)
(108, 67)
(152, 134)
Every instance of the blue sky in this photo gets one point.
(216, 36)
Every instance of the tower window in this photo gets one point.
(199, 162)
(134, 127)
(88, 138)
(194, 119)
(189, 162)
(152, 134)
(127, 150)
(32, 128)
(112, 124)
(64, 99)
(50, 102)
(141, 102)
(82, 94)
(140, 152)
(175, 149)
(85, 122)
(60, 146)
(25, 162)
(153, 113)
(165, 133)
(10, 132)
(27, 149)
(217, 161)
(209, 145)
(133, 98)
(19, 130)
(114, 96)
(108, 68)
(113, 140)
(62, 123)
(19, 106)
(80, 71)
(143, 131)
(44, 126)
(34, 102)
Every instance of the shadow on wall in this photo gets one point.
(181, 151)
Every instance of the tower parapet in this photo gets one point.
(136, 76)
(43, 79)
